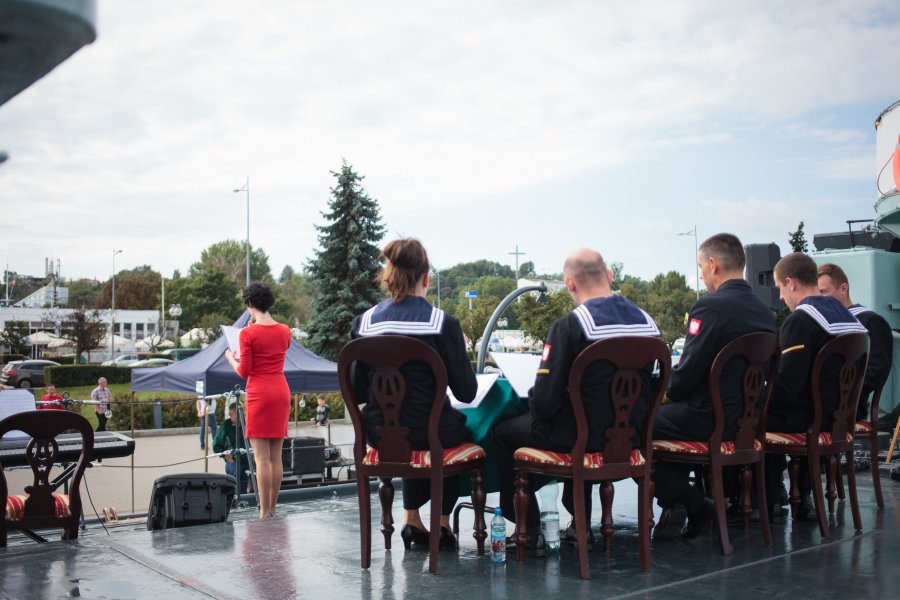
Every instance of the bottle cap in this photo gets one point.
(497, 511)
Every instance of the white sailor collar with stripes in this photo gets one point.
(829, 314)
(613, 316)
(858, 309)
(412, 316)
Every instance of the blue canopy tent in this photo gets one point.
(304, 370)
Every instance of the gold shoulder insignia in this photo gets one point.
(792, 348)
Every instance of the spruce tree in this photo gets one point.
(344, 270)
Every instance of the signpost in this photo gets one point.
(471, 294)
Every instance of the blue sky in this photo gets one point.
(550, 125)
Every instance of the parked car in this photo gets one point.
(677, 350)
(121, 361)
(180, 353)
(27, 373)
(152, 362)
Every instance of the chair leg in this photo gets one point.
(830, 484)
(876, 474)
(839, 482)
(851, 486)
(520, 505)
(651, 521)
(434, 533)
(365, 520)
(645, 509)
(794, 477)
(582, 522)
(718, 493)
(386, 496)
(478, 501)
(607, 492)
(815, 476)
(763, 503)
(746, 483)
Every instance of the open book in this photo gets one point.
(519, 369)
(233, 337)
(485, 382)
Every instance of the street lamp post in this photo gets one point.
(175, 312)
(246, 188)
(498, 312)
(112, 318)
(693, 232)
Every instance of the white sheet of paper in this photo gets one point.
(12, 402)
(519, 369)
(233, 337)
(485, 383)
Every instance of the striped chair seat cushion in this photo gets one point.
(421, 459)
(15, 506)
(696, 447)
(863, 427)
(592, 460)
(799, 439)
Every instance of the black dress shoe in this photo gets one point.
(698, 522)
(448, 540)
(807, 510)
(671, 523)
(411, 534)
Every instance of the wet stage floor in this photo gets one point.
(311, 550)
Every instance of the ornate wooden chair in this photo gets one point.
(40, 507)
(619, 459)
(393, 456)
(852, 350)
(759, 353)
(867, 429)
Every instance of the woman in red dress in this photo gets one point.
(263, 344)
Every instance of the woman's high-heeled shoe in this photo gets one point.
(448, 540)
(411, 534)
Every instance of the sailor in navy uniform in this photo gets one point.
(550, 424)
(407, 312)
(833, 282)
(716, 319)
(416, 317)
(814, 320)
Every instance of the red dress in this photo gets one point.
(262, 364)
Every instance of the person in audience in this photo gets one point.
(236, 462)
(101, 395)
(833, 282)
(56, 401)
(814, 320)
(550, 423)
(730, 310)
(405, 278)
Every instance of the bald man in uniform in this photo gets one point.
(550, 424)
(833, 282)
(730, 310)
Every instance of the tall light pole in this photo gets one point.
(693, 232)
(112, 332)
(246, 188)
(175, 311)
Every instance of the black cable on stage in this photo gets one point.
(91, 500)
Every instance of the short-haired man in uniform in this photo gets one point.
(814, 320)
(833, 282)
(731, 310)
(550, 423)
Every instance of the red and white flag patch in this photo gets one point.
(546, 353)
(694, 327)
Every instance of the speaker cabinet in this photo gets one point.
(190, 499)
(760, 274)
(303, 454)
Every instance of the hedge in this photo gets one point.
(75, 375)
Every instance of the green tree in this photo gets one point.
(526, 269)
(230, 257)
(618, 270)
(211, 325)
(136, 289)
(293, 304)
(84, 329)
(492, 285)
(84, 292)
(13, 336)
(474, 321)
(668, 300)
(535, 319)
(208, 292)
(346, 263)
(797, 239)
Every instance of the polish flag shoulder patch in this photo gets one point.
(694, 327)
(546, 353)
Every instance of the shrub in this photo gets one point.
(75, 375)
(177, 412)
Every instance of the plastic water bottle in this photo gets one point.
(498, 537)
(550, 515)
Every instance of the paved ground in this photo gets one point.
(113, 483)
